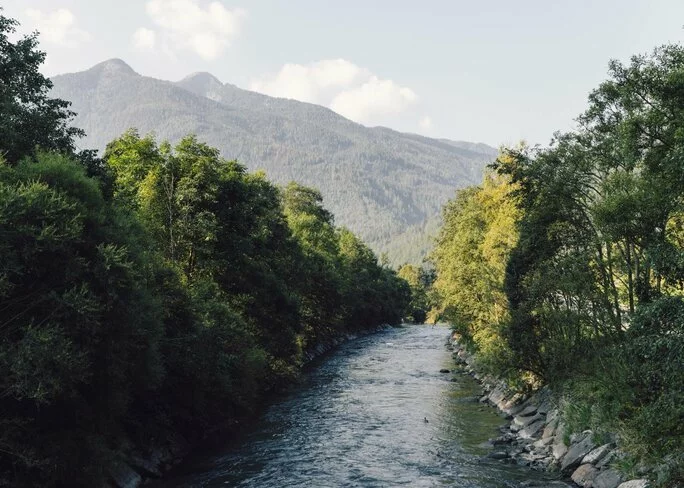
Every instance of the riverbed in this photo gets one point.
(376, 412)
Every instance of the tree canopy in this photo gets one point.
(29, 118)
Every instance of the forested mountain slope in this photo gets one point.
(385, 185)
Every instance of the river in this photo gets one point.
(358, 419)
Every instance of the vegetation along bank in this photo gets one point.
(565, 268)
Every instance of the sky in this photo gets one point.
(492, 71)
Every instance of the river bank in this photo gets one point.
(142, 463)
(537, 437)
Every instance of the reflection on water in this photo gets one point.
(358, 420)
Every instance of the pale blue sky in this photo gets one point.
(490, 71)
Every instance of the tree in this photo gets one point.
(29, 118)
(80, 328)
(420, 281)
(473, 247)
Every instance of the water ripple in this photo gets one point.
(358, 421)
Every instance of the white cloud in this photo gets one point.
(144, 39)
(311, 82)
(425, 123)
(186, 24)
(349, 90)
(373, 98)
(57, 27)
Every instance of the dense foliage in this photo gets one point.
(472, 250)
(420, 281)
(158, 290)
(30, 117)
(589, 272)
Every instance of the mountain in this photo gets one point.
(385, 185)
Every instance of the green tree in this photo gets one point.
(80, 329)
(319, 281)
(473, 248)
(420, 281)
(29, 118)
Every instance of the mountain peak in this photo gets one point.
(114, 65)
(202, 77)
(203, 84)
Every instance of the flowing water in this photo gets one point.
(359, 420)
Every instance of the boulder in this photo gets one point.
(559, 449)
(515, 409)
(497, 395)
(527, 411)
(608, 478)
(549, 430)
(597, 454)
(525, 421)
(577, 451)
(584, 475)
(514, 404)
(543, 442)
(545, 406)
(607, 459)
(634, 484)
(532, 430)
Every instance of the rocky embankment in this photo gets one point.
(536, 436)
(140, 464)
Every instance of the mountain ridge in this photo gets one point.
(383, 184)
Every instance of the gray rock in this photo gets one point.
(497, 395)
(559, 449)
(608, 478)
(584, 475)
(532, 430)
(527, 411)
(124, 476)
(513, 405)
(607, 459)
(515, 409)
(635, 484)
(597, 454)
(578, 436)
(549, 430)
(543, 442)
(545, 407)
(525, 421)
(576, 452)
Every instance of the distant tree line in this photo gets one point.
(158, 289)
(566, 266)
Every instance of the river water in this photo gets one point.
(358, 420)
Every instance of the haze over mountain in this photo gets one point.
(384, 185)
